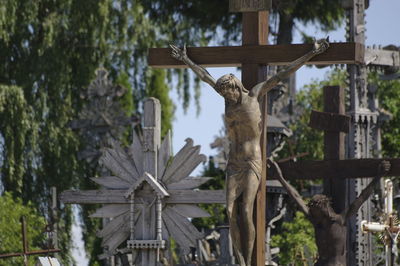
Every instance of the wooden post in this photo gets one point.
(55, 218)
(255, 32)
(334, 148)
(152, 139)
(24, 240)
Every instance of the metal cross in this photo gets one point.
(25, 253)
(388, 227)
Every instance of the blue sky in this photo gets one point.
(383, 28)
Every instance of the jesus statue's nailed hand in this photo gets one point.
(321, 45)
(178, 53)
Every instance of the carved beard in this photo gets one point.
(227, 82)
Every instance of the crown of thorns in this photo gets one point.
(319, 201)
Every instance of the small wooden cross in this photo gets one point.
(26, 252)
(389, 227)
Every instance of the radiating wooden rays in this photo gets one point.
(126, 166)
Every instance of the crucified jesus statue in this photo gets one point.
(243, 122)
(330, 227)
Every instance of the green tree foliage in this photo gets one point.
(389, 97)
(328, 15)
(217, 211)
(208, 16)
(15, 117)
(296, 242)
(157, 88)
(304, 138)
(50, 49)
(11, 211)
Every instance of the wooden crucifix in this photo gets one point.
(26, 252)
(149, 195)
(335, 124)
(251, 56)
(331, 227)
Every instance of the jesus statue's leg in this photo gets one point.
(232, 210)
(249, 196)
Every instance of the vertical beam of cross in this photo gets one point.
(24, 240)
(152, 139)
(360, 137)
(334, 148)
(255, 32)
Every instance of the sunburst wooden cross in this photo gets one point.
(150, 195)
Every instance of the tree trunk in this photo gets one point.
(285, 31)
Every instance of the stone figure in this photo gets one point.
(243, 122)
(330, 227)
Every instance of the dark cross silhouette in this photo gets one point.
(25, 253)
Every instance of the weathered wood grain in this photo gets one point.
(188, 183)
(351, 168)
(117, 196)
(119, 165)
(112, 182)
(380, 57)
(149, 179)
(151, 146)
(117, 238)
(329, 121)
(176, 234)
(185, 225)
(185, 231)
(190, 211)
(177, 159)
(135, 151)
(233, 56)
(113, 226)
(164, 154)
(187, 165)
(249, 6)
(110, 211)
(196, 196)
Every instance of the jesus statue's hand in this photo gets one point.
(178, 53)
(384, 168)
(321, 46)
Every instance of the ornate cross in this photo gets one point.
(388, 227)
(150, 194)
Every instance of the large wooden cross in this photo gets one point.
(253, 56)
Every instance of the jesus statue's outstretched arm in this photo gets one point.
(293, 193)
(383, 169)
(203, 74)
(262, 88)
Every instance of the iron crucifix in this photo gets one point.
(243, 120)
(330, 227)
